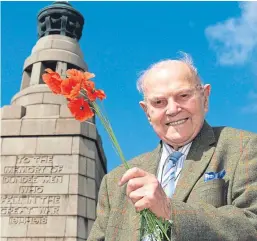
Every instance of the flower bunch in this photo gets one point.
(81, 94)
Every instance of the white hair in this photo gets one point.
(185, 58)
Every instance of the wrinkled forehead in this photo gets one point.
(175, 76)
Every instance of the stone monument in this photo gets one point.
(51, 164)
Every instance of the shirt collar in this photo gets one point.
(167, 149)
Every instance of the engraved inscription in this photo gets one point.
(35, 159)
(32, 169)
(32, 179)
(29, 220)
(31, 189)
(30, 205)
(51, 210)
(30, 200)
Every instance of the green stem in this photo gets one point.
(110, 132)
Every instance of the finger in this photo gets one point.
(141, 204)
(131, 173)
(137, 194)
(134, 184)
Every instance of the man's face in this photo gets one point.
(175, 103)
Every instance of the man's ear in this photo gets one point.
(144, 107)
(207, 91)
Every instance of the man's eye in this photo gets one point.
(184, 95)
(158, 103)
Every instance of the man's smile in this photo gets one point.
(178, 122)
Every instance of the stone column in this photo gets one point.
(51, 168)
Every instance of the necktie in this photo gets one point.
(168, 177)
(169, 171)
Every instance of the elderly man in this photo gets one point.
(202, 178)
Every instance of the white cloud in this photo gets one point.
(235, 39)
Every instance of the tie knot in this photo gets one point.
(174, 157)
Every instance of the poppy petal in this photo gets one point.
(70, 88)
(100, 94)
(53, 80)
(80, 109)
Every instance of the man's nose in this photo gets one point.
(172, 108)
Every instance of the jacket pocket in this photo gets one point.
(212, 192)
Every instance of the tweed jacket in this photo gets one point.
(216, 210)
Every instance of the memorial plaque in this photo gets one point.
(46, 195)
(51, 164)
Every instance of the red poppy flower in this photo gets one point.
(79, 74)
(88, 85)
(80, 109)
(53, 80)
(93, 94)
(70, 88)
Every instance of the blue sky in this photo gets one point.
(120, 39)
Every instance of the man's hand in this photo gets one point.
(145, 191)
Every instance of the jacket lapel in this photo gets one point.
(151, 161)
(196, 162)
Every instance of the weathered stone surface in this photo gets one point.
(82, 228)
(90, 188)
(38, 127)
(92, 132)
(54, 41)
(65, 112)
(91, 208)
(7, 161)
(37, 71)
(70, 126)
(73, 184)
(54, 145)
(19, 146)
(29, 99)
(83, 165)
(51, 229)
(68, 205)
(55, 55)
(70, 163)
(32, 239)
(25, 79)
(12, 112)
(50, 98)
(12, 230)
(91, 168)
(10, 127)
(61, 68)
(71, 226)
(97, 178)
(33, 89)
(42, 111)
(89, 225)
(73, 239)
(54, 239)
(82, 185)
(84, 147)
(82, 206)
